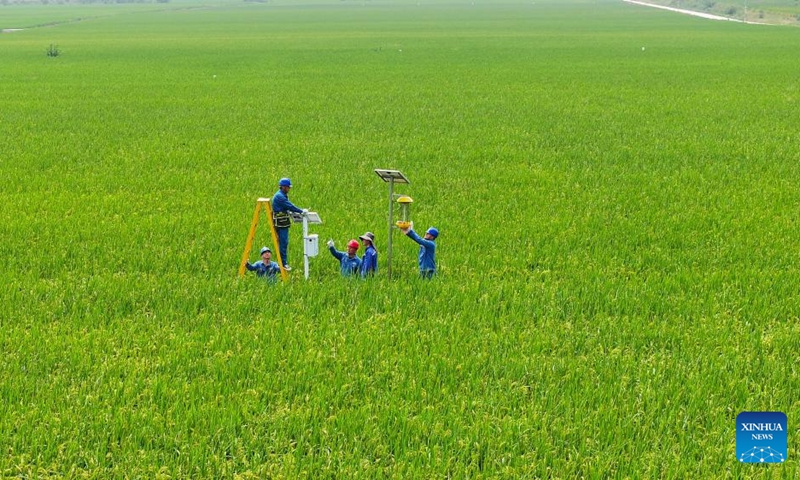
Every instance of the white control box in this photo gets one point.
(311, 245)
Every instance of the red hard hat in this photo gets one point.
(353, 244)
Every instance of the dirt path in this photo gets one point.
(694, 13)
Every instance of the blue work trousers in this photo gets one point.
(283, 244)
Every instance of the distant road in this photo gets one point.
(692, 12)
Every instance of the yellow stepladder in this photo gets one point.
(266, 204)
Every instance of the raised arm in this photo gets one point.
(336, 253)
(425, 243)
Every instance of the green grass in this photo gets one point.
(21, 15)
(618, 257)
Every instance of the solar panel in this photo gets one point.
(395, 175)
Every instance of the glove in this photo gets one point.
(305, 211)
(330, 243)
(410, 227)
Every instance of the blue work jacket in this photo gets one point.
(265, 271)
(369, 262)
(281, 203)
(348, 266)
(427, 252)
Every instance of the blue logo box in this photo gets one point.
(761, 437)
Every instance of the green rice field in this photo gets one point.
(616, 189)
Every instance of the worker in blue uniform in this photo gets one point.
(349, 263)
(281, 206)
(427, 249)
(369, 262)
(265, 268)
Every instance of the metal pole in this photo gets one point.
(305, 246)
(389, 244)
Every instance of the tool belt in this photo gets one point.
(282, 220)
